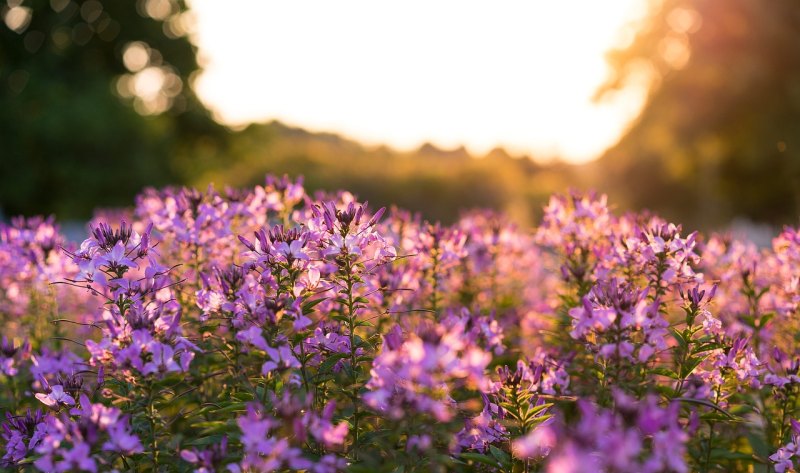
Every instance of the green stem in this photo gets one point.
(708, 446)
(351, 322)
(151, 415)
(784, 406)
(435, 276)
(303, 366)
(711, 425)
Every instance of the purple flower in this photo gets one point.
(614, 440)
(281, 358)
(209, 460)
(22, 435)
(253, 336)
(264, 452)
(78, 458)
(536, 444)
(117, 258)
(325, 431)
(292, 251)
(98, 414)
(121, 440)
(783, 459)
(481, 431)
(10, 354)
(56, 397)
(163, 359)
(419, 374)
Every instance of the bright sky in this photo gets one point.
(517, 74)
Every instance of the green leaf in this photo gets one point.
(203, 441)
(664, 372)
(208, 424)
(321, 378)
(725, 454)
(718, 410)
(327, 365)
(764, 320)
(369, 437)
(759, 445)
(748, 320)
(678, 336)
(537, 409)
(703, 347)
(308, 307)
(501, 456)
(234, 407)
(666, 391)
(538, 420)
(225, 428)
(480, 458)
(691, 363)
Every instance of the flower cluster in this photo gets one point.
(31, 258)
(637, 436)
(620, 321)
(141, 323)
(417, 373)
(784, 457)
(268, 329)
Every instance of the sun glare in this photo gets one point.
(517, 74)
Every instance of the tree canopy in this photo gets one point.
(95, 103)
(719, 136)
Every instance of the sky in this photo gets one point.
(516, 74)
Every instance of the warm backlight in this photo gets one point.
(518, 74)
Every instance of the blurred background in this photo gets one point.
(687, 108)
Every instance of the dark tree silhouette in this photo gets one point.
(95, 103)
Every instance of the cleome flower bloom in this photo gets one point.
(268, 329)
(418, 372)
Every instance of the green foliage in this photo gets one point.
(69, 140)
(718, 133)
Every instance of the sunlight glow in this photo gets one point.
(517, 74)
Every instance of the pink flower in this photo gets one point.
(536, 444)
(325, 431)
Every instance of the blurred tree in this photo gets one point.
(719, 137)
(435, 182)
(95, 103)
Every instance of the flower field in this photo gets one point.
(266, 329)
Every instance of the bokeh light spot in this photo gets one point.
(136, 56)
(18, 18)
